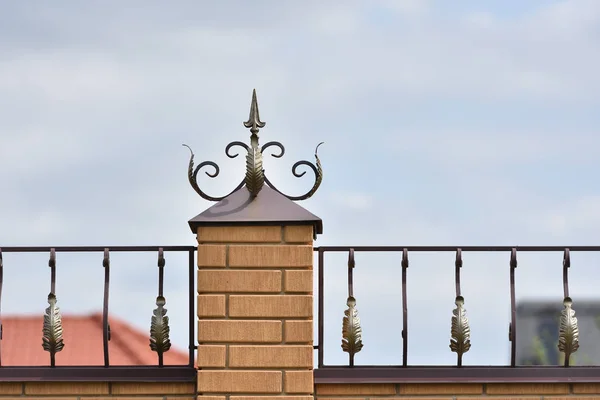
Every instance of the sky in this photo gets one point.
(445, 123)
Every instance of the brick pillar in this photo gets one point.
(255, 310)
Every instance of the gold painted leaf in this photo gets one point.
(568, 335)
(255, 177)
(351, 331)
(460, 341)
(159, 328)
(52, 340)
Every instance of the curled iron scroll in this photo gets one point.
(255, 176)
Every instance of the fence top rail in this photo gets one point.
(89, 249)
(454, 248)
(82, 249)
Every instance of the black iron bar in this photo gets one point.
(458, 266)
(105, 325)
(88, 249)
(161, 279)
(161, 271)
(512, 331)
(191, 305)
(351, 265)
(52, 265)
(453, 248)
(566, 266)
(404, 310)
(321, 306)
(1, 282)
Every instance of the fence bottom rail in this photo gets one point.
(465, 374)
(98, 373)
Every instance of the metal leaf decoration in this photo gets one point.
(52, 340)
(568, 336)
(351, 331)
(255, 178)
(460, 341)
(159, 329)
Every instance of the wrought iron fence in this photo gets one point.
(459, 332)
(159, 341)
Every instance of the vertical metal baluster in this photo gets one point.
(1, 282)
(105, 324)
(568, 334)
(512, 327)
(191, 304)
(159, 327)
(52, 340)
(321, 309)
(404, 310)
(460, 333)
(351, 331)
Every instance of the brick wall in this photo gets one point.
(423, 391)
(255, 309)
(96, 391)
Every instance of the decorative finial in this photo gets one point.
(255, 177)
(254, 122)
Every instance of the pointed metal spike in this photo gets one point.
(254, 122)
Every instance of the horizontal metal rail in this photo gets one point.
(138, 373)
(91, 249)
(465, 374)
(159, 340)
(431, 249)
(568, 335)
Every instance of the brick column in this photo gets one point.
(255, 310)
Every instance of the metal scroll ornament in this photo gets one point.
(159, 329)
(460, 341)
(568, 335)
(351, 331)
(255, 177)
(52, 340)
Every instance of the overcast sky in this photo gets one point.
(445, 123)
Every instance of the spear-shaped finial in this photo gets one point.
(254, 122)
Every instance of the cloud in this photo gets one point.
(354, 201)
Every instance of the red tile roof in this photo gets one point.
(22, 343)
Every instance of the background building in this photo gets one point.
(537, 333)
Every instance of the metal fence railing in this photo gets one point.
(52, 333)
(459, 333)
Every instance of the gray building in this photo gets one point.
(537, 333)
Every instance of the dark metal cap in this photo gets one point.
(269, 207)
